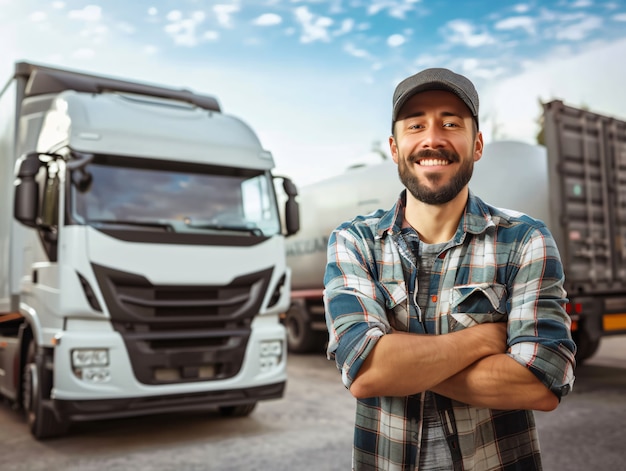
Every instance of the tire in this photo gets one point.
(242, 410)
(42, 421)
(300, 336)
(586, 347)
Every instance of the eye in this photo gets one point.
(450, 125)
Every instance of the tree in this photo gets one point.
(541, 135)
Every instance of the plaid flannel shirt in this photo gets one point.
(501, 266)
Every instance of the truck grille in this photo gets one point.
(179, 334)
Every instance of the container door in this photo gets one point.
(587, 167)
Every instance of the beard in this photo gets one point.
(439, 195)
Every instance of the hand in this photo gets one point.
(492, 336)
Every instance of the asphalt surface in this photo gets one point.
(310, 429)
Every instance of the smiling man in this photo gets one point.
(446, 314)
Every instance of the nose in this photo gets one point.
(433, 138)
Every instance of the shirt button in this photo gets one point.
(434, 298)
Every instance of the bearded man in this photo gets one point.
(446, 315)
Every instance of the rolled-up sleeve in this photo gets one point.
(538, 326)
(354, 304)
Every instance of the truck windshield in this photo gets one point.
(179, 201)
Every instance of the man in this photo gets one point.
(446, 314)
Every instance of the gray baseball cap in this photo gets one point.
(435, 79)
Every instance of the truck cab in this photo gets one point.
(146, 258)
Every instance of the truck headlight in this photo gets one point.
(91, 365)
(90, 357)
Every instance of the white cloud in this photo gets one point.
(89, 13)
(125, 27)
(470, 65)
(93, 31)
(521, 8)
(268, 19)
(619, 17)
(314, 28)
(580, 30)
(174, 15)
(198, 16)
(152, 11)
(184, 30)
(463, 32)
(526, 23)
(431, 60)
(396, 9)
(375, 7)
(565, 17)
(546, 15)
(211, 35)
(96, 33)
(346, 27)
(38, 16)
(58, 5)
(224, 14)
(356, 52)
(395, 40)
(581, 4)
(480, 69)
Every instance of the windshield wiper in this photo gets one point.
(146, 224)
(255, 231)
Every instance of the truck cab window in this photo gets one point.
(182, 201)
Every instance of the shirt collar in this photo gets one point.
(475, 220)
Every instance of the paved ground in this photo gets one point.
(311, 430)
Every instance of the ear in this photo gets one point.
(393, 147)
(478, 146)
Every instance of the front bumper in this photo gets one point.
(128, 407)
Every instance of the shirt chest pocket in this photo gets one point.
(477, 304)
(396, 304)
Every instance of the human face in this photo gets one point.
(435, 145)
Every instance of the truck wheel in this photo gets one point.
(586, 347)
(300, 338)
(242, 410)
(41, 420)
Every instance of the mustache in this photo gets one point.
(434, 154)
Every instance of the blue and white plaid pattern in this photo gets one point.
(507, 257)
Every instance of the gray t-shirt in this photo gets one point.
(435, 452)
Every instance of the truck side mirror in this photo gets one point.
(81, 178)
(292, 209)
(26, 202)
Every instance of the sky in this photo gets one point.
(314, 78)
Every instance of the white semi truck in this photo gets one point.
(142, 258)
(576, 183)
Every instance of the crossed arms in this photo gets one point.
(469, 366)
